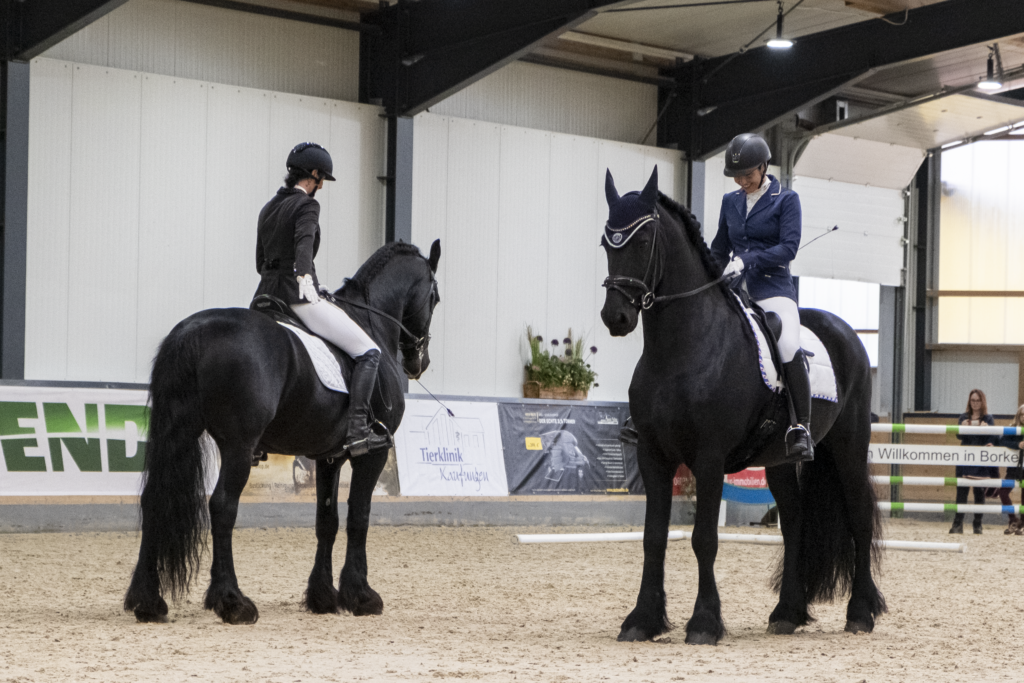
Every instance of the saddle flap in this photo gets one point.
(774, 322)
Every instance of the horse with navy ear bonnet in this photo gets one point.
(697, 398)
(248, 383)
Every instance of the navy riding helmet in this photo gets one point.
(746, 152)
(309, 157)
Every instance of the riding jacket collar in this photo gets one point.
(740, 199)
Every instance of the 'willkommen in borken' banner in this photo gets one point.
(914, 454)
(572, 449)
(59, 441)
(443, 455)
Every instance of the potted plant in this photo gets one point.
(561, 372)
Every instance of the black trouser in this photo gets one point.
(961, 498)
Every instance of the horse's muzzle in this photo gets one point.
(619, 316)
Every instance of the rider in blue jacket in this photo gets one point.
(758, 235)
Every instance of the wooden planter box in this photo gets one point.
(535, 390)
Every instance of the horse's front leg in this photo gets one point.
(791, 611)
(706, 627)
(354, 592)
(224, 596)
(321, 596)
(649, 618)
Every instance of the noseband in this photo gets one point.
(647, 297)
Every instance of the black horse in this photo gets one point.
(697, 399)
(248, 383)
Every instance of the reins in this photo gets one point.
(648, 297)
(418, 344)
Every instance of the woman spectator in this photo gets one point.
(975, 416)
(1014, 442)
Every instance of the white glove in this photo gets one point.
(734, 267)
(306, 289)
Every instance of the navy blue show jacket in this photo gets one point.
(766, 240)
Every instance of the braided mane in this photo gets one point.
(376, 263)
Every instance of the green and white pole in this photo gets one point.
(962, 430)
(946, 481)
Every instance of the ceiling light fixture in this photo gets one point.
(996, 131)
(993, 70)
(952, 144)
(778, 42)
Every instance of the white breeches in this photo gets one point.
(786, 308)
(333, 324)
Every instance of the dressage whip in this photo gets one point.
(450, 413)
(829, 232)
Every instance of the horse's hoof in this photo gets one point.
(701, 639)
(781, 628)
(632, 635)
(856, 627)
(238, 611)
(363, 604)
(144, 617)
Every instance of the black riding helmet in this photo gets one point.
(309, 157)
(745, 153)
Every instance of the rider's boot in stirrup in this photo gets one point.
(799, 444)
(361, 439)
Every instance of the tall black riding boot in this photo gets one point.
(361, 439)
(799, 444)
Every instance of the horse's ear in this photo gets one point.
(435, 255)
(650, 194)
(609, 188)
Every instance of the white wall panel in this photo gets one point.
(238, 165)
(859, 161)
(172, 190)
(520, 214)
(356, 142)
(523, 261)
(955, 373)
(868, 245)
(103, 271)
(143, 206)
(49, 206)
(430, 222)
(558, 100)
(471, 269)
(199, 42)
(576, 262)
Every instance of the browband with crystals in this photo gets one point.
(616, 238)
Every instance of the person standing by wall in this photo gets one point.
(1016, 443)
(976, 415)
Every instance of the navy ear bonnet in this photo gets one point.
(629, 213)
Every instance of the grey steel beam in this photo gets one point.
(749, 91)
(38, 25)
(431, 49)
(14, 92)
(398, 206)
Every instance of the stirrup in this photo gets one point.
(803, 454)
(378, 438)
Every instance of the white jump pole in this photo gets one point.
(946, 481)
(966, 430)
(756, 539)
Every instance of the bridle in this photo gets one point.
(647, 297)
(419, 344)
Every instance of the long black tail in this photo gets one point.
(827, 549)
(173, 501)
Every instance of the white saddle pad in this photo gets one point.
(823, 378)
(327, 367)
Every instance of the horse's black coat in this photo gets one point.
(697, 396)
(248, 383)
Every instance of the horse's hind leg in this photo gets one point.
(649, 618)
(791, 611)
(223, 596)
(321, 596)
(355, 594)
(866, 601)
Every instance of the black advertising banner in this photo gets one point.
(566, 449)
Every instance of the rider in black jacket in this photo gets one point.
(288, 238)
